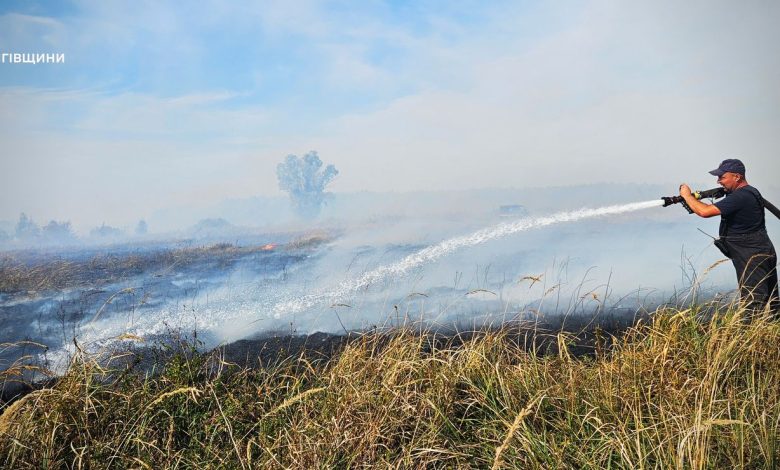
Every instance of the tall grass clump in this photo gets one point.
(674, 392)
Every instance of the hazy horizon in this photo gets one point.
(160, 105)
(275, 212)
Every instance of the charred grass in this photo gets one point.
(675, 391)
(30, 272)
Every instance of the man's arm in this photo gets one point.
(701, 209)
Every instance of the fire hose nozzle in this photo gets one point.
(714, 193)
(669, 200)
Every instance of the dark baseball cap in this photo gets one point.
(730, 165)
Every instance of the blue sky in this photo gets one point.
(161, 104)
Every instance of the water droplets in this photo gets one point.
(434, 252)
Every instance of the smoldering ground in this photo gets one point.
(613, 265)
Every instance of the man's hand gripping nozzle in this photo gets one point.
(714, 193)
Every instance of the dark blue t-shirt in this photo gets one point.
(741, 211)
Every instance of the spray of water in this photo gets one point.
(243, 303)
(435, 252)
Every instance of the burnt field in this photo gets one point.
(50, 300)
(258, 294)
(30, 272)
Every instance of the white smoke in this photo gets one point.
(432, 253)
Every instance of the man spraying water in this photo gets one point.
(743, 235)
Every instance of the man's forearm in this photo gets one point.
(700, 208)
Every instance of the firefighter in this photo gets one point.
(743, 235)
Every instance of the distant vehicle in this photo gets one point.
(512, 211)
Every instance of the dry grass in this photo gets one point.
(678, 392)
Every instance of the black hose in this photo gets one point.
(772, 208)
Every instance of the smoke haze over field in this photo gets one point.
(160, 105)
(443, 274)
(436, 115)
(463, 267)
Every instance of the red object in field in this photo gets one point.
(268, 247)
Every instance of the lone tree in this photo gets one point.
(305, 180)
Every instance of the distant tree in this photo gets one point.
(105, 231)
(141, 228)
(26, 229)
(305, 180)
(58, 232)
(4, 237)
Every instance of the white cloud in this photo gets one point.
(605, 100)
